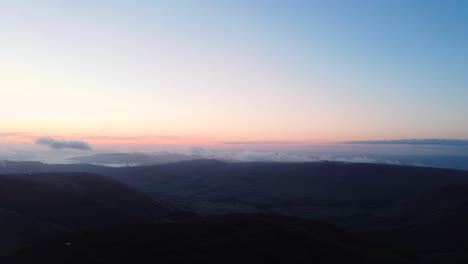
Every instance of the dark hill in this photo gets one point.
(321, 180)
(79, 200)
(35, 207)
(419, 209)
(313, 189)
(293, 188)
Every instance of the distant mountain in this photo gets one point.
(15, 167)
(228, 239)
(133, 158)
(38, 206)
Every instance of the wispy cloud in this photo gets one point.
(11, 134)
(8, 134)
(63, 144)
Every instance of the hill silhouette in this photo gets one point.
(39, 206)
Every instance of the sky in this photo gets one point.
(205, 73)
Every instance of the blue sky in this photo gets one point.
(200, 72)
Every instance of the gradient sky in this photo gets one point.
(192, 72)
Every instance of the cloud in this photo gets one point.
(63, 144)
(443, 142)
(362, 159)
(199, 151)
(8, 134)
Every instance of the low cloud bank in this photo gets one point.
(228, 156)
(63, 144)
(443, 142)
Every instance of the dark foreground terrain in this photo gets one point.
(227, 239)
(215, 212)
